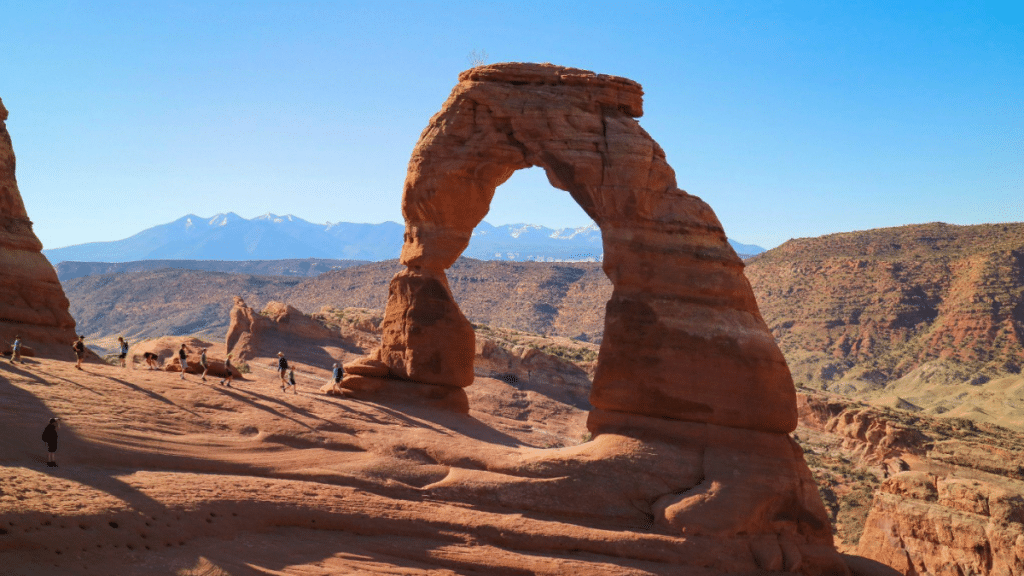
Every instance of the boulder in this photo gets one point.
(32, 301)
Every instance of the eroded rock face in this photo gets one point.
(924, 524)
(683, 337)
(687, 365)
(32, 302)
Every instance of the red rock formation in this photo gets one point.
(683, 336)
(241, 339)
(32, 302)
(687, 372)
(280, 327)
(923, 524)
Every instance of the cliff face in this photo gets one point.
(866, 308)
(922, 495)
(32, 302)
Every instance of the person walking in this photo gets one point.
(79, 347)
(291, 382)
(227, 368)
(282, 368)
(50, 437)
(123, 348)
(202, 362)
(339, 373)
(16, 350)
(183, 360)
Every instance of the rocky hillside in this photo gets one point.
(562, 299)
(908, 308)
(167, 302)
(924, 317)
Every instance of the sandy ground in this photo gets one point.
(159, 475)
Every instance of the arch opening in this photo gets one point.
(683, 340)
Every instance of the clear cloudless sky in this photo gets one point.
(791, 119)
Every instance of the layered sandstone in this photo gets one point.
(857, 310)
(279, 327)
(683, 338)
(688, 372)
(923, 495)
(32, 302)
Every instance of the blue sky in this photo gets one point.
(790, 119)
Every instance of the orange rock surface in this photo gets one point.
(32, 302)
(688, 374)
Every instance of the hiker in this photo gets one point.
(50, 437)
(227, 368)
(16, 350)
(291, 382)
(151, 359)
(79, 347)
(123, 347)
(282, 368)
(182, 360)
(202, 362)
(339, 373)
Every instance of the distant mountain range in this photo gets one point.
(271, 237)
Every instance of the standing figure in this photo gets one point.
(79, 347)
(182, 360)
(123, 348)
(282, 368)
(291, 382)
(339, 373)
(227, 368)
(50, 437)
(16, 350)
(202, 362)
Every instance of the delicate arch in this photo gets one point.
(683, 337)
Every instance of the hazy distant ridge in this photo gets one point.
(271, 237)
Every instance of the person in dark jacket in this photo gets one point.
(291, 382)
(282, 368)
(50, 437)
(183, 360)
(79, 348)
(339, 373)
(228, 368)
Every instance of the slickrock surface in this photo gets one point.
(688, 373)
(32, 302)
(926, 496)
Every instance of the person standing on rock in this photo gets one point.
(202, 362)
(183, 360)
(123, 348)
(227, 368)
(79, 347)
(16, 350)
(50, 437)
(339, 373)
(291, 382)
(282, 368)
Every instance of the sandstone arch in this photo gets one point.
(683, 336)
